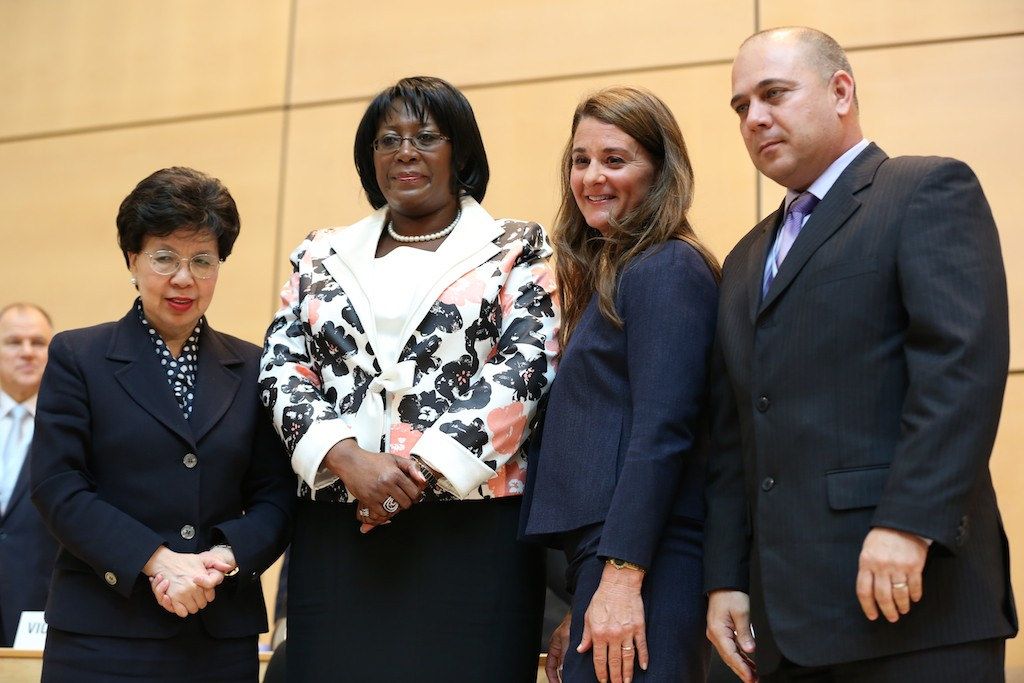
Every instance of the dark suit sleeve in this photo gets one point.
(62, 487)
(259, 537)
(727, 528)
(668, 302)
(957, 351)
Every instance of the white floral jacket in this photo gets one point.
(479, 356)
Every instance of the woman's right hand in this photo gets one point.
(557, 647)
(373, 478)
(181, 582)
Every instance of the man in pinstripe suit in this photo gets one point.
(852, 530)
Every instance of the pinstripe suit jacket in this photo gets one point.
(863, 390)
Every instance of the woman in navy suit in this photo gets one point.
(155, 465)
(616, 477)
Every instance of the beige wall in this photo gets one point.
(265, 94)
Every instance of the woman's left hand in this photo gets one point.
(614, 626)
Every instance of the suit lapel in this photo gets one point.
(354, 249)
(758, 256)
(20, 489)
(216, 383)
(830, 215)
(142, 377)
(469, 245)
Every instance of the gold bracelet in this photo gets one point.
(622, 564)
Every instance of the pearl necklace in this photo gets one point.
(424, 238)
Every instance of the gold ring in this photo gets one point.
(900, 585)
(627, 648)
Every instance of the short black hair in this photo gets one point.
(423, 96)
(177, 198)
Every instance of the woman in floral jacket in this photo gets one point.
(403, 372)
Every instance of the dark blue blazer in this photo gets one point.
(27, 551)
(114, 477)
(624, 434)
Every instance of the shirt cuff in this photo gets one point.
(310, 451)
(460, 467)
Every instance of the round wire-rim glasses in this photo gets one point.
(167, 262)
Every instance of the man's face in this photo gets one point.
(789, 112)
(24, 340)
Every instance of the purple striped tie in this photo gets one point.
(799, 209)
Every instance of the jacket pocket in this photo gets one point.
(841, 271)
(860, 487)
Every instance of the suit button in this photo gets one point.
(110, 578)
(190, 460)
(3, 535)
(768, 484)
(188, 532)
(763, 403)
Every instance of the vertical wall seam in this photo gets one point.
(758, 194)
(282, 171)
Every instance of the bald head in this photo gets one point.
(821, 50)
(797, 112)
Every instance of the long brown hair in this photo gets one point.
(586, 261)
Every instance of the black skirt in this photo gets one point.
(192, 655)
(443, 593)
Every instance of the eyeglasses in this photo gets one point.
(424, 141)
(167, 262)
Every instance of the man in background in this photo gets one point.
(852, 530)
(27, 551)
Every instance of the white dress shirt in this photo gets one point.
(13, 456)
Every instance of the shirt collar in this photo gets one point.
(7, 403)
(820, 187)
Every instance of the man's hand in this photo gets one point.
(889, 577)
(729, 631)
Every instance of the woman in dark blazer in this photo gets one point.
(616, 477)
(155, 466)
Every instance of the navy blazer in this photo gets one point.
(27, 551)
(624, 434)
(117, 472)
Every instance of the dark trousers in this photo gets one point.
(978, 662)
(674, 606)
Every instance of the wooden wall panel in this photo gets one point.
(884, 22)
(346, 50)
(71, 64)
(60, 198)
(1008, 476)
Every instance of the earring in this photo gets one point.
(135, 283)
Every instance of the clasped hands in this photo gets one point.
(889, 581)
(184, 583)
(383, 484)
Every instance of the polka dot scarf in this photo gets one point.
(180, 371)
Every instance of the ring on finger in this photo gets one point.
(627, 648)
(390, 505)
(364, 512)
(899, 585)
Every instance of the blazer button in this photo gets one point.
(110, 578)
(188, 532)
(768, 484)
(763, 403)
(190, 460)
